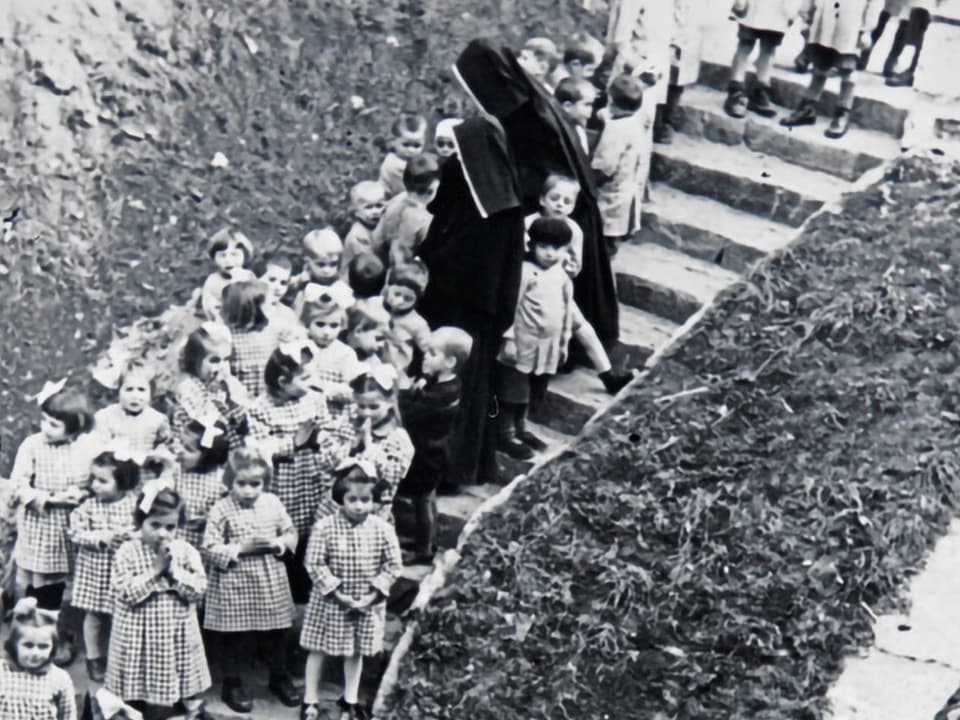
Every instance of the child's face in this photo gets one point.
(134, 393)
(159, 528)
(230, 258)
(34, 647)
(546, 256)
(368, 208)
(580, 111)
(293, 387)
(367, 338)
(358, 501)
(53, 430)
(435, 361)
(190, 451)
(410, 144)
(277, 280)
(214, 363)
(581, 70)
(559, 201)
(373, 406)
(247, 487)
(324, 329)
(528, 60)
(444, 145)
(324, 268)
(399, 298)
(102, 482)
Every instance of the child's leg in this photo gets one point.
(352, 670)
(841, 114)
(311, 678)
(917, 23)
(425, 512)
(513, 391)
(760, 102)
(875, 35)
(272, 647)
(236, 649)
(741, 60)
(300, 583)
(899, 43)
(583, 331)
(736, 103)
(806, 111)
(94, 625)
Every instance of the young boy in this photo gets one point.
(323, 252)
(367, 201)
(538, 56)
(621, 160)
(410, 332)
(580, 59)
(558, 200)
(428, 411)
(406, 219)
(409, 139)
(576, 98)
(276, 276)
(366, 275)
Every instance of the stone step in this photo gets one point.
(641, 333)
(709, 230)
(665, 282)
(847, 157)
(572, 399)
(756, 183)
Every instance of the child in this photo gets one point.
(580, 59)
(621, 161)
(33, 688)
(253, 338)
(131, 419)
(409, 332)
(368, 326)
(198, 477)
(366, 275)
(353, 558)
(428, 411)
(684, 67)
(910, 31)
(156, 653)
(536, 344)
(835, 37)
(323, 256)
(444, 141)
(98, 527)
(409, 139)
(276, 277)
(333, 362)
(367, 201)
(537, 57)
(576, 98)
(406, 219)
(558, 200)
(761, 22)
(248, 602)
(232, 253)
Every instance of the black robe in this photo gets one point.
(474, 252)
(542, 141)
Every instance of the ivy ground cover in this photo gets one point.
(717, 543)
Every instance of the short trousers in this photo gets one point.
(520, 388)
(825, 59)
(770, 38)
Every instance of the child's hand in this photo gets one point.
(864, 41)
(419, 384)
(368, 600)
(509, 351)
(304, 435)
(344, 599)
(162, 559)
(279, 547)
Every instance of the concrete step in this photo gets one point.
(847, 157)
(665, 282)
(753, 182)
(641, 333)
(572, 399)
(709, 230)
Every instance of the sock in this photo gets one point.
(899, 42)
(814, 90)
(311, 677)
(848, 89)
(881, 26)
(919, 22)
(738, 68)
(352, 670)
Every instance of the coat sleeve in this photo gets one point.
(23, 472)
(81, 531)
(390, 561)
(132, 587)
(285, 527)
(607, 154)
(315, 561)
(65, 698)
(216, 546)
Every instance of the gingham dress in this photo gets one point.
(39, 470)
(251, 350)
(300, 476)
(354, 559)
(199, 492)
(196, 399)
(335, 364)
(144, 431)
(254, 593)
(29, 696)
(92, 527)
(156, 652)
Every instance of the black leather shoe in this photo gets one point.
(514, 448)
(839, 124)
(805, 114)
(531, 441)
(235, 696)
(285, 691)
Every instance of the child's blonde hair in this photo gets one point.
(322, 241)
(26, 613)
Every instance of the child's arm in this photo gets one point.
(392, 457)
(130, 587)
(186, 573)
(81, 533)
(315, 561)
(22, 474)
(164, 435)
(220, 553)
(391, 563)
(286, 539)
(607, 154)
(334, 440)
(65, 697)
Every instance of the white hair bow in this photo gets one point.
(218, 332)
(293, 348)
(339, 293)
(210, 430)
(150, 491)
(49, 389)
(384, 375)
(367, 467)
(125, 452)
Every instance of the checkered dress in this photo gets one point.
(28, 696)
(196, 399)
(92, 527)
(331, 369)
(300, 476)
(156, 652)
(251, 350)
(199, 492)
(39, 470)
(253, 593)
(354, 559)
(145, 431)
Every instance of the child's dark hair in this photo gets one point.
(280, 368)
(365, 382)
(26, 613)
(126, 473)
(366, 275)
(167, 500)
(210, 457)
(353, 474)
(420, 173)
(626, 92)
(278, 259)
(578, 52)
(224, 237)
(413, 275)
(553, 232)
(569, 90)
(243, 305)
(72, 408)
(244, 459)
(408, 123)
(200, 343)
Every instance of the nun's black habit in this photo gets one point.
(474, 251)
(542, 141)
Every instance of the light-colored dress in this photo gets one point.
(250, 592)
(391, 173)
(251, 351)
(199, 492)
(29, 696)
(771, 15)
(837, 25)
(93, 525)
(156, 651)
(622, 157)
(144, 431)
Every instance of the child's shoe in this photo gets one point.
(736, 103)
(760, 102)
(531, 441)
(801, 63)
(663, 134)
(97, 669)
(805, 114)
(309, 711)
(511, 446)
(839, 124)
(614, 382)
(235, 696)
(285, 691)
(901, 79)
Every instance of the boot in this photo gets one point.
(507, 440)
(839, 124)
(283, 688)
(235, 696)
(899, 43)
(614, 382)
(801, 63)
(900, 79)
(736, 103)
(805, 114)
(760, 102)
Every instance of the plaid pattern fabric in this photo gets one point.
(195, 399)
(145, 432)
(156, 652)
(251, 350)
(253, 593)
(299, 475)
(27, 696)
(199, 492)
(92, 527)
(336, 363)
(351, 558)
(39, 470)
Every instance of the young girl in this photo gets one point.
(156, 653)
(558, 199)
(368, 326)
(353, 558)
(232, 253)
(32, 687)
(253, 337)
(333, 362)
(198, 475)
(131, 418)
(100, 525)
(248, 598)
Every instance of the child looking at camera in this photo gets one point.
(367, 201)
(232, 253)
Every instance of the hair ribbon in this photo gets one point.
(124, 452)
(365, 466)
(384, 375)
(27, 607)
(150, 491)
(49, 389)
